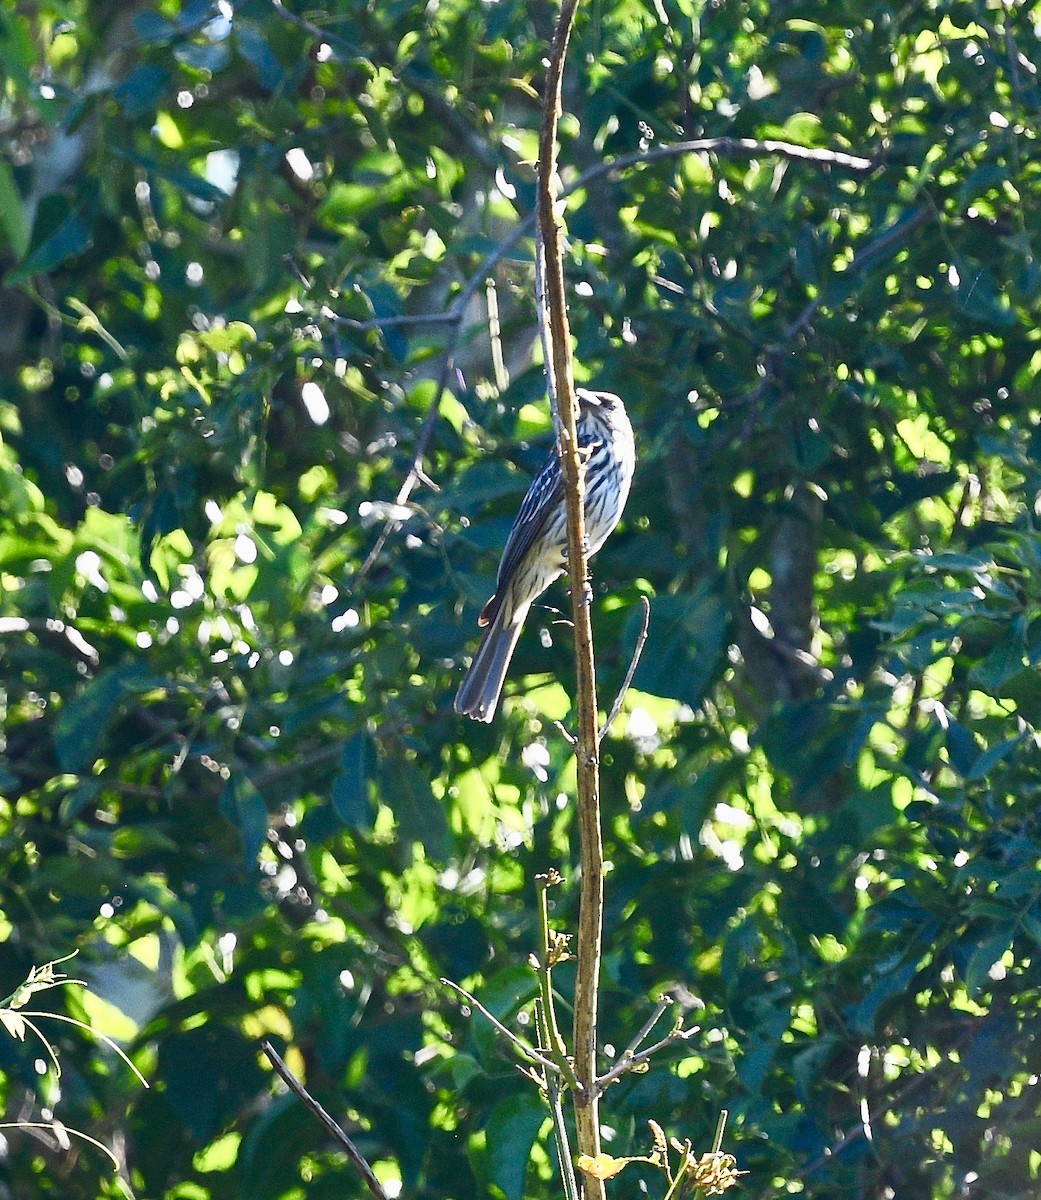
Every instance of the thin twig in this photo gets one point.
(736, 148)
(563, 730)
(394, 322)
(57, 1130)
(634, 662)
(300, 764)
(632, 1056)
(519, 1044)
(331, 1127)
(637, 1060)
(415, 471)
(550, 955)
(664, 1003)
(721, 1128)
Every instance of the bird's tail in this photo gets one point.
(478, 694)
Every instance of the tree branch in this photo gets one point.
(633, 1057)
(624, 1064)
(557, 340)
(553, 951)
(554, 1097)
(518, 1043)
(663, 1004)
(634, 662)
(331, 1127)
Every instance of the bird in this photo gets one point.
(536, 549)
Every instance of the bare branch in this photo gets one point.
(634, 662)
(554, 951)
(565, 733)
(623, 1065)
(394, 322)
(551, 1086)
(518, 1043)
(632, 1056)
(664, 1003)
(556, 337)
(331, 1127)
(735, 148)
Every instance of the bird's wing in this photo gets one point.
(544, 494)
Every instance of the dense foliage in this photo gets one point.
(231, 775)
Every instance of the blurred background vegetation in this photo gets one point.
(231, 776)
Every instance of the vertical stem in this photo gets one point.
(553, 1042)
(556, 1108)
(557, 337)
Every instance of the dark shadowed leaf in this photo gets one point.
(140, 91)
(350, 794)
(72, 237)
(244, 807)
(84, 720)
(509, 1136)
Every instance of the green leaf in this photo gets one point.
(1031, 923)
(350, 793)
(980, 298)
(254, 48)
(204, 56)
(687, 635)
(507, 990)
(85, 719)
(138, 841)
(1005, 660)
(509, 1136)
(82, 797)
(151, 27)
(139, 93)
(983, 958)
(181, 178)
(419, 816)
(210, 1072)
(244, 807)
(962, 747)
(991, 757)
(72, 237)
(889, 987)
